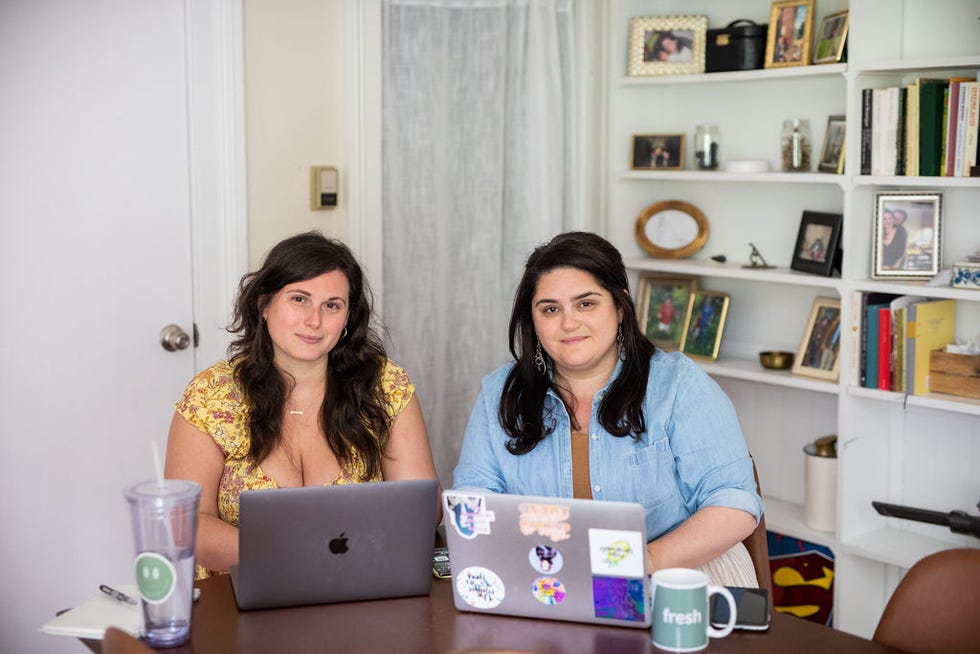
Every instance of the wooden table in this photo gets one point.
(432, 625)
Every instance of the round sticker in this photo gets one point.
(545, 559)
(156, 577)
(548, 590)
(480, 588)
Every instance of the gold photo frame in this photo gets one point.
(831, 38)
(657, 152)
(832, 155)
(661, 303)
(671, 229)
(667, 45)
(790, 33)
(705, 323)
(819, 352)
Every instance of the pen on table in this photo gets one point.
(118, 596)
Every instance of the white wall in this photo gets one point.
(295, 117)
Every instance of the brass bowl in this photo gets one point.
(776, 360)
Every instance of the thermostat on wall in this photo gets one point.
(323, 187)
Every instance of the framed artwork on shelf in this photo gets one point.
(832, 155)
(819, 351)
(705, 322)
(817, 243)
(671, 229)
(790, 33)
(908, 239)
(831, 39)
(657, 152)
(662, 301)
(667, 45)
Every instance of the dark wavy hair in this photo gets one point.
(522, 413)
(353, 414)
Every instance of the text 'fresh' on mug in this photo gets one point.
(680, 610)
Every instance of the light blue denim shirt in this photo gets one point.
(692, 455)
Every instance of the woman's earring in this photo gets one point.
(539, 360)
(620, 342)
(343, 334)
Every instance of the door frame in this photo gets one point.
(217, 165)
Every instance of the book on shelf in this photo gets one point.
(884, 348)
(932, 96)
(951, 111)
(860, 323)
(912, 130)
(871, 347)
(899, 308)
(867, 100)
(930, 325)
(884, 131)
(971, 105)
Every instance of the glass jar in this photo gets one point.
(706, 147)
(796, 145)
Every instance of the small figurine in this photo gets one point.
(755, 259)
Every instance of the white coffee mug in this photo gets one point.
(680, 610)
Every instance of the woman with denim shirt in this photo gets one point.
(590, 409)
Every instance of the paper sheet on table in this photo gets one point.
(91, 618)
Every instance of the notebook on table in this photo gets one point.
(547, 557)
(317, 545)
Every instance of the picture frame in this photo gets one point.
(908, 235)
(790, 33)
(832, 154)
(662, 303)
(667, 45)
(704, 324)
(819, 352)
(831, 38)
(671, 229)
(817, 243)
(657, 152)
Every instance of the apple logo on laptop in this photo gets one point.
(338, 545)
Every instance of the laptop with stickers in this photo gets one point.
(324, 544)
(548, 557)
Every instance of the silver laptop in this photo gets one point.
(547, 557)
(316, 545)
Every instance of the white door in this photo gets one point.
(95, 258)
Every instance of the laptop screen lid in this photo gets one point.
(323, 544)
(548, 557)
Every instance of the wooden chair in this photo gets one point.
(117, 641)
(758, 546)
(936, 606)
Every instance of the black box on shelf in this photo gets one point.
(741, 45)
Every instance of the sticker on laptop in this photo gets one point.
(480, 587)
(548, 520)
(545, 559)
(617, 553)
(548, 590)
(619, 599)
(469, 515)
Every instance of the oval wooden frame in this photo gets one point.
(655, 250)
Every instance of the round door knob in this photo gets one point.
(173, 338)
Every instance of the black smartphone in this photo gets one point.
(751, 608)
(440, 563)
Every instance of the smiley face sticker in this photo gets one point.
(156, 577)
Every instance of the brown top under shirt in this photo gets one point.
(581, 483)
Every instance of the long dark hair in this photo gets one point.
(353, 415)
(521, 412)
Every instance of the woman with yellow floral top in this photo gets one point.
(307, 397)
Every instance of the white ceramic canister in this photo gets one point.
(820, 495)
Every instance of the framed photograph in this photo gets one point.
(661, 306)
(907, 235)
(672, 229)
(790, 33)
(706, 312)
(817, 242)
(658, 152)
(831, 39)
(667, 45)
(819, 351)
(832, 155)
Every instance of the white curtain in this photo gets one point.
(478, 167)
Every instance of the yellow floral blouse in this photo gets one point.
(213, 403)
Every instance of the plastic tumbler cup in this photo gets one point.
(164, 518)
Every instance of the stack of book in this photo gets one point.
(896, 333)
(925, 128)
